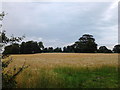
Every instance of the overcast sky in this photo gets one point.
(61, 24)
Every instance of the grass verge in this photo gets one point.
(71, 77)
(102, 77)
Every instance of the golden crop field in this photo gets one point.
(50, 60)
(46, 62)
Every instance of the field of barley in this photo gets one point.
(66, 70)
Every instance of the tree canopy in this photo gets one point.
(29, 47)
(116, 48)
(103, 49)
(85, 44)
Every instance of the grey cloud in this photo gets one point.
(63, 23)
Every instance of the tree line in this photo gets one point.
(85, 44)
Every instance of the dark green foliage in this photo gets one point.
(116, 49)
(41, 46)
(86, 44)
(103, 49)
(29, 47)
(57, 49)
(22, 47)
(50, 49)
(45, 50)
(69, 49)
(64, 49)
(12, 49)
